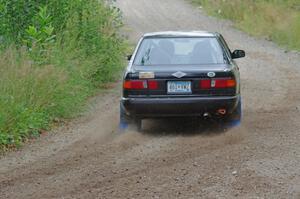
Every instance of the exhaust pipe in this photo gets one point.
(222, 111)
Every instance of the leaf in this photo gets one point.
(48, 30)
(32, 31)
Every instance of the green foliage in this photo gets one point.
(278, 20)
(55, 54)
(42, 32)
(17, 15)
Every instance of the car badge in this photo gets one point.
(179, 74)
(211, 74)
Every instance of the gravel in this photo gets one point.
(89, 158)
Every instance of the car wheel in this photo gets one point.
(127, 121)
(234, 119)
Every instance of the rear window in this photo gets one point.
(179, 51)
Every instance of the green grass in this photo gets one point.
(277, 20)
(50, 70)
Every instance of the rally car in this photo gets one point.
(181, 74)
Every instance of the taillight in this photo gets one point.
(135, 84)
(140, 84)
(230, 83)
(205, 83)
(152, 84)
(217, 83)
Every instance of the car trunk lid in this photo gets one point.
(209, 80)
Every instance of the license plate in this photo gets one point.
(179, 87)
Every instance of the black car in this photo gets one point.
(181, 74)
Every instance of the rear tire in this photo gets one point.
(126, 121)
(234, 119)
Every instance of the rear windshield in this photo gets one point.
(179, 51)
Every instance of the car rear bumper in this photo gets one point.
(187, 106)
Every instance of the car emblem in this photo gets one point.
(211, 74)
(179, 74)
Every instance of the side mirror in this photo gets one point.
(238, 54)
(129, 57)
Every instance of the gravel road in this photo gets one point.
(89, 158)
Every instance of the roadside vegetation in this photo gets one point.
(277, 20)
(53, 56)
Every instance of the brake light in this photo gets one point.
(205, 83)
(140, 84)
(135, 84)
(217, 83)
(152, 84)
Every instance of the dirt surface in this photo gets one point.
(89, 158)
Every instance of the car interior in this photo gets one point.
(185, 51)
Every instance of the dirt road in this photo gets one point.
(88, 158)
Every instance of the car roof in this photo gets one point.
(181, 34)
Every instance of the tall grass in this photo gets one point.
(277, 20)
(51, 62)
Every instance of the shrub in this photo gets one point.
(60, 53)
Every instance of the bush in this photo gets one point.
(278, 20)
(59, 54)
